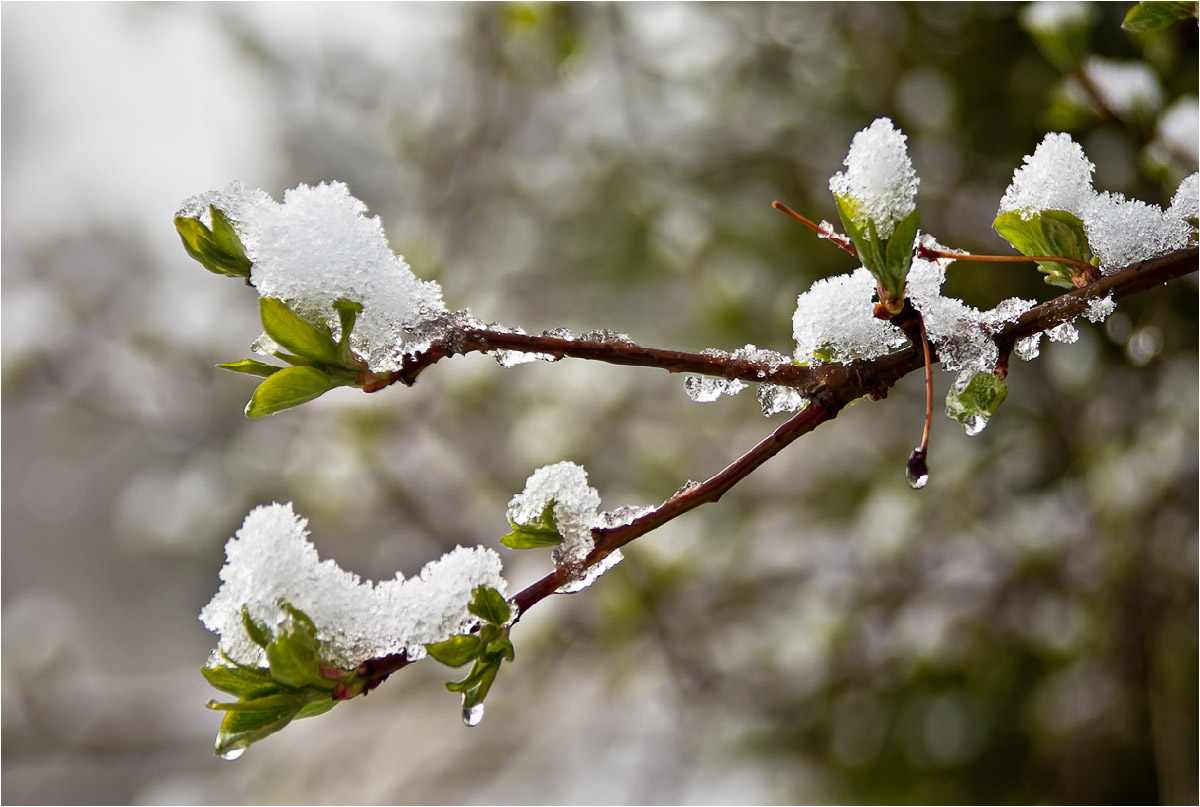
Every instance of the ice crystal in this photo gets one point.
(1029, 348)
(775, 399)
(591, 574)
(1066, 333)
(1098, 309)
(270, 561)
(705, 389)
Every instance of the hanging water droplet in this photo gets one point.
(917, 471)
(474, 715)
(233, 753)
(974, 424)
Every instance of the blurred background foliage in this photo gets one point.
(1023, 630)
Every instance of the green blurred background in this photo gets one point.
(1024, 630)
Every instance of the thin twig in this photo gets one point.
(926, 252)
(830, 235)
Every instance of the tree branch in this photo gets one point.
(829, 387)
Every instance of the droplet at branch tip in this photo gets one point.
(917, 471)
(473, 716)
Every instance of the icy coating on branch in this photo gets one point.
(879, 177)
(317, 247)
(1058, 176)
(271, 561)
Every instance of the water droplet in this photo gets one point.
(917, 471)
(233, 753)
(474, 715)
(974, 424)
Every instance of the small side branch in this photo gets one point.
(711, 490)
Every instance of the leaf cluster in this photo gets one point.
(488, 648)
(294, 685)
(318, 363)
(888, 259)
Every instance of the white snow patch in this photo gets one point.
(1058, 176)
(270, 561)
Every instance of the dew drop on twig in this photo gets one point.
(233, 753)
(917, 471)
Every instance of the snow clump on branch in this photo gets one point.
(318, 247)
(271, 561)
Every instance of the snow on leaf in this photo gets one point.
(834, 322)
(879, 178)
(318, 247)
(575, 507)
(271, 561)
(1058, 176)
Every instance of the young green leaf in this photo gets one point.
(541, 532)
(490, 606)
(457, 650)
(257, 631)
(481, 683)
(317, 707)
(289, 387)
(219, 252)
(238, 681)
(248, 721)
(251, 367)
(898, 255)
(1153, 16)
(887, 259)
(348, 312)
(1054, 233)
(228, 245)
(972, 401)
(293, 659)
(502, 647)
(295, 334)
